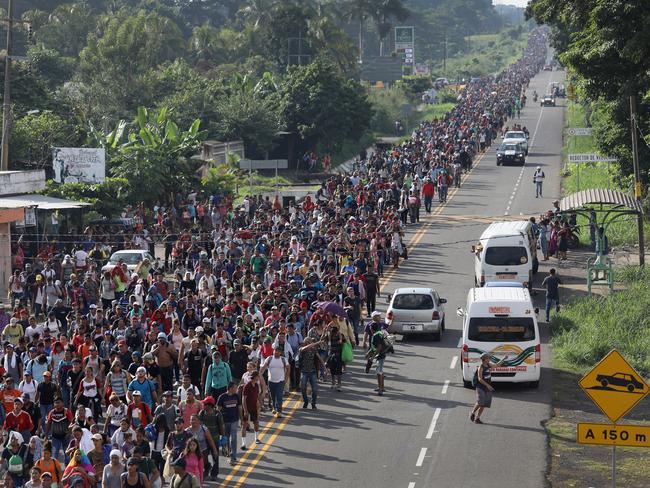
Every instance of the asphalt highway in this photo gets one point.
(418, 434)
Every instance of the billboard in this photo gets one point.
(405, 44)
(79, 164)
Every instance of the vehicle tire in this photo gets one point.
(498, 163)
(468, 385)
(442, 326)
(534, 384)
(630, 388)
(604, 383)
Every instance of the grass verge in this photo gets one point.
(585, 330)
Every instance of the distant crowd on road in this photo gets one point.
(171, 363)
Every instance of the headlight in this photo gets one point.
(521, 155)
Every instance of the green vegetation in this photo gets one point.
(235, 66)
(608, 61)
(595, 175)
(589, 327)
(488, 54)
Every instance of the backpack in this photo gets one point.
(150, 432)
(386, 345)
(15, 464)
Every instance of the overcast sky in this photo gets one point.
(518, 3)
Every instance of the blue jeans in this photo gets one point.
(65, 393)
(276, 389)
(45, 409)
(312, 379)
(58, 446)
(427, 204)
(538, 189)
(549, 303)
(231, 429)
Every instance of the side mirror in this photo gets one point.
(536, 310)
(460, 312)
(388, 297)
(443, 300)
(473, 249)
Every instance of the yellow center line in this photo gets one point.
(261, 435)
(293, 405)
(267, 445)
(417, 237)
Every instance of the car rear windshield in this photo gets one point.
(413, 302)
(515, 135)
(506, 255)
(501, 329)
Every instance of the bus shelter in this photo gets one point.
(602, 208)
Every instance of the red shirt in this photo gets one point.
(251, 393)
(19, 423)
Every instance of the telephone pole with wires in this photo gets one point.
(6, 105)
(637, 175)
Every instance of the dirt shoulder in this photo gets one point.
(575, 465)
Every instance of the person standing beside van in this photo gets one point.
(483, 383)
(552, 284)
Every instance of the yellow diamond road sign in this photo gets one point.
(614, 386)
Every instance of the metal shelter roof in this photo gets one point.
(583, 199)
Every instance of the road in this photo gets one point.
(418, 434)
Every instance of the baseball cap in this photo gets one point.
(236, 342)
(209, 400)
(179, 463)
(162, 335)
(375, 314)
(199, 329)
(137, 393)
(142, 370)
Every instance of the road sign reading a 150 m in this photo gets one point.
(613, 435)
(614, 386)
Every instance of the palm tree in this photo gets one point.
(358, 11)
(382, 12)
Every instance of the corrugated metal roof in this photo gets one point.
(584, 198)
(42, 202)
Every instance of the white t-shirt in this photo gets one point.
(80, 257)
(275, 368)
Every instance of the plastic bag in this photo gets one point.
(168, 471)
(346, 352)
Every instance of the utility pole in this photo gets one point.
(6, 106)
(637, 175)
(444, 59)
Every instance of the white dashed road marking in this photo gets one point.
(420, 461)
(454, 360)
(434, 421)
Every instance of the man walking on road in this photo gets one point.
(552, 284)
(538, 179)
(378, 352)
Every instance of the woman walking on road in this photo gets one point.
(484, 387)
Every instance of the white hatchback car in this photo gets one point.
(416, 311)
(131, 257)
(518, 137)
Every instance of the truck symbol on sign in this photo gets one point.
(627, 381)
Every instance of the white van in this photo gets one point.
(506, 251)
(502, 322)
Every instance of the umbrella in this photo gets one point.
(332, 307)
